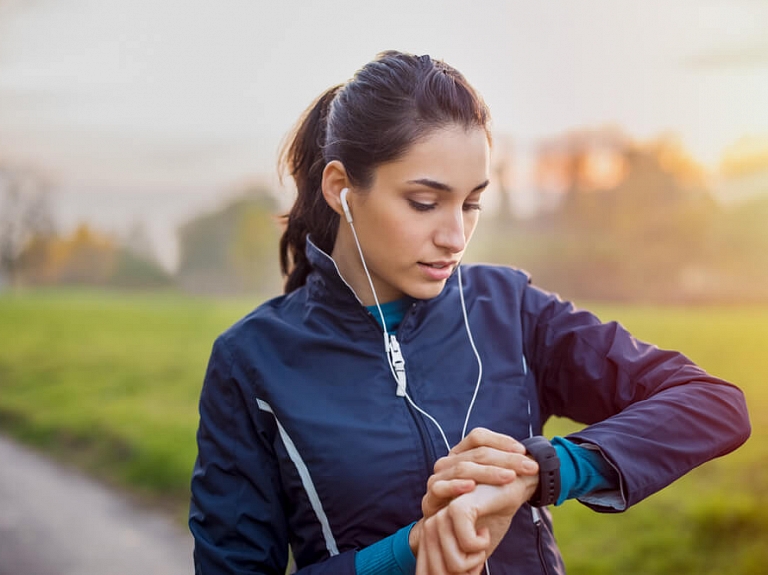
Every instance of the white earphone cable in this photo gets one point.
(387, 345)
(370, 281)
(400, 379)
(474, 349)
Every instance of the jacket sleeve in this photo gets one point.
(237, 512)
(653, 414)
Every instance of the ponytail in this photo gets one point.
(303, 159)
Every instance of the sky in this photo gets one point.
(154, 109)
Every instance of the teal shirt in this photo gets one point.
(394, 312)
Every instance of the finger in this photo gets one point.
(462, 513)
(455, 558)
(441, 493)
(481, 436)
(422, 564)
(463, 465)
(449, 488)
(433, 550)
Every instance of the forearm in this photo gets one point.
(653, 442)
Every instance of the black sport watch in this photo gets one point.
(548, 490)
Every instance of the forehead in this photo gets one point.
(454, 156)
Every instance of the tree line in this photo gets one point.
(621, 221)
(650, 230)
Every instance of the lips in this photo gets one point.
(439, 270)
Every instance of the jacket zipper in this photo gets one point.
(430, 457)
(428, 449)
(536, 516)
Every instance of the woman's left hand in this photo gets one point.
(439, 550)
(460, 537)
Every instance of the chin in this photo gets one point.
(426, 291)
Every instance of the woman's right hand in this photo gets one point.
(483, 457)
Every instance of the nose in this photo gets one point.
(450, 234)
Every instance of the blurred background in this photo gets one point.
(139, 195)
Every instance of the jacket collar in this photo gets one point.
(325, 279)
(327, 287)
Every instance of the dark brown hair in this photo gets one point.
(375, 118)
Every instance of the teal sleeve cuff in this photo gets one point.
(389, 556)
(582, 471)
(405, 558)
(567, 470)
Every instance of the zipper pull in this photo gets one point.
(536, 516)
(397, 361)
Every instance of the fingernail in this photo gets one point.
(529, 465)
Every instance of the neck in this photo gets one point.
(347, 258)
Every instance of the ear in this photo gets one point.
(334, 180)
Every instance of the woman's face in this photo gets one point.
(417, 217)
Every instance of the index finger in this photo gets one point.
(482, 437)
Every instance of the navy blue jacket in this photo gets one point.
(304, 442)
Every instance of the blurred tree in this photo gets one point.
(232, 250)
(24, 214)
(581, 161)
(674, 159)
(133, 270)
(740, 247)
(87, 257)
(137, 264)
(138, 242)
(642, 238)
(635, 222)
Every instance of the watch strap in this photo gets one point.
(542, 451)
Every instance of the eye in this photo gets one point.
(473, 206)
(420, 207)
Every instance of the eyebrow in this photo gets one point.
(444, 187)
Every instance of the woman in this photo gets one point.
(383, 416)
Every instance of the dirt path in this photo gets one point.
(54, 521)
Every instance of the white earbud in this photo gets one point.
(345, 205)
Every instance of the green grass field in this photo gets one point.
(110, 382)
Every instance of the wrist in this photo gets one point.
(414, 536)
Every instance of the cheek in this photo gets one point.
(414, 232)
(392, 238)
(402, 229)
